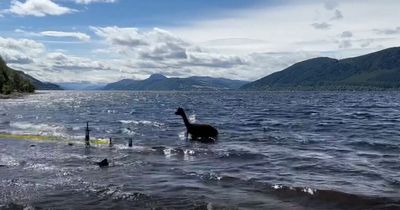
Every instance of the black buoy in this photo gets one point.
(110, 143)
(87, 136)
(103, 163)
(130, 142)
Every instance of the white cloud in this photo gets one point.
(321, 26)
(162, 49)
(61, 34)
(94, 1)
(61, 62)
(120, 36)
(208, 59)
(345, 44)
(38, 8)
(35, 59)
(20, 51)
(388, 31)
(78, 35)
(337, 15)
(346, 34)
(331, 5)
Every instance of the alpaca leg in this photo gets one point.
(186, 135)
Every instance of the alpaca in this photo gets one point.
(200, 132)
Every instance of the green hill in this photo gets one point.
(11, 81)
(375, 71)
(39, 85)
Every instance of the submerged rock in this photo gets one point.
(103, 163)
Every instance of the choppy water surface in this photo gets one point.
(276, 150)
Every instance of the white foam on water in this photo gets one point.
(111, 111)
(188, 154)
(128, 121)
(276, 186)
(168, 152)
(182, 135)
(41, 167)
(143, 122)
(309, 191)
(37, 129)
(76, 156)
(134, 147)
(8, 160)
(192, 118)
(128, 131)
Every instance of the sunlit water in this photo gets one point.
(276, 150)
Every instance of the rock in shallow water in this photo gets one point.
(103, 163)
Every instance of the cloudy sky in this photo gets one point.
(108, 40)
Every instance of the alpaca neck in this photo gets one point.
(185, 120)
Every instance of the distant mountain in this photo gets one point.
(375, 71)
(160, 82)
(81, 85)
(120, 85)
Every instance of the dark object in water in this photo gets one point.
(32, 145)
(103, 163)
(87, 136)
(110, 144)
(130, 142)
(70, 144)
(199, 132)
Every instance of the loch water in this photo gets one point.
(276, 150)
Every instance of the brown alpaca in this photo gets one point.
(200, 132)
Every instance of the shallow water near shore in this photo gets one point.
(276, 150)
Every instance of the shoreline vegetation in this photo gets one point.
(12, 84)
(14, 95)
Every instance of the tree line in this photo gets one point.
(12, 82)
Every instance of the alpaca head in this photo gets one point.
(179, 111)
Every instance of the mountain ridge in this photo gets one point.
(39, 85)
(163, 83)
(374, 71)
